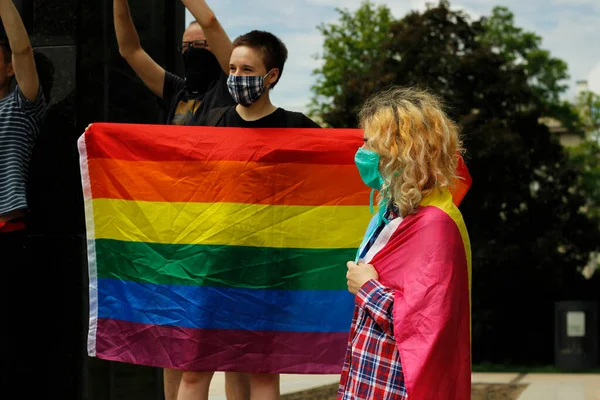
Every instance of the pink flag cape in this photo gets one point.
(426, 258)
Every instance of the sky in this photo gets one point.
(570, 29)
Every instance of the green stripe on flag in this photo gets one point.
(223, 266)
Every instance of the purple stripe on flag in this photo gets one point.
(221, 350)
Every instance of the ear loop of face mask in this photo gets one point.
(265, 77)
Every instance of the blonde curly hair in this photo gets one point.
(417, 142)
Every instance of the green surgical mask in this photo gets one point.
(367, 162)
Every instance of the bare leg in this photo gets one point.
(171, 379)
(264, 386)
(194, 385)
(237, 386)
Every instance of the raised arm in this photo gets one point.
(152, 74)
(217, 38)
(22, 52)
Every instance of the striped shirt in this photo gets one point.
(20, 121)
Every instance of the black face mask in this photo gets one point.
(201, 69)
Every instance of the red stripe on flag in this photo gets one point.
(463, 182)
(199, 143)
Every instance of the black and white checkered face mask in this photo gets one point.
(245, 90)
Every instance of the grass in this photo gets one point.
(540, 369)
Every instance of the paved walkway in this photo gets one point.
(289, 384)
(549, 386)
(542, 386)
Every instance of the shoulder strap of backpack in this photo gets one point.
(294, 119)
(215, 115)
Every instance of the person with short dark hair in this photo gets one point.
(255, 67)
(254, 63)
(22, 110)
(273, 52)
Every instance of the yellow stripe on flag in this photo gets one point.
(230, 224)
(442, 199)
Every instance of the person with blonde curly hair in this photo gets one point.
(410, 334)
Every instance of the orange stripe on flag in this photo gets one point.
(228, 181)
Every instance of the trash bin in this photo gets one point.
(576, 335)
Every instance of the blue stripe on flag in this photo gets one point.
(226, 308)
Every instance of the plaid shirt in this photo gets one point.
(372, 368)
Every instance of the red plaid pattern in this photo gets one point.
(372, 369)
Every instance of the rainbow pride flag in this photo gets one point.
(221, 248)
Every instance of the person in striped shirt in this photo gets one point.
(22, 109)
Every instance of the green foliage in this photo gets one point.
(587, 156)
(547, 75)
(588, 106)
(357, 41)
(351, 46)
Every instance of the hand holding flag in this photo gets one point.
(359, 274)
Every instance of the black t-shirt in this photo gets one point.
(280, 118)
(186, 108)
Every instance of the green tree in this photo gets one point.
(350, 47)
(587, 154)
(357, 41)
(547, 75)
(528, 233)
(588, 107)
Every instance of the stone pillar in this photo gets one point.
(86, 81)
